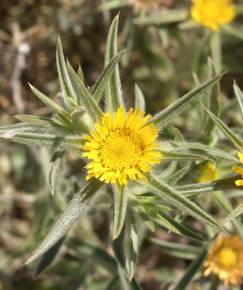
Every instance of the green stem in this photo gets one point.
(216, 51)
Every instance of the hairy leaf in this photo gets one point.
(180, 201)
(168, 114)
(113, 93)
(68, 218)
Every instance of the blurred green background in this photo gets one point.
(160, 58)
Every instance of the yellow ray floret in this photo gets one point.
(239, 170)
(121, 147)
(213, 13)
(225, 260)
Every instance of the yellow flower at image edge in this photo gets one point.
(239, 170)
(121, 147)
(225, 260)
(213, 13)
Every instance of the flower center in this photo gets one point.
(227, 257)
(121, 150)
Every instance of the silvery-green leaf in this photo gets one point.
(233, 30)
(235, 140)
(113, 92)
(131, 245)
(60, 142)
(67, 89)
(48, 257)
(192, 270)
(24, 126)
(84, 95)
(212, 102)
(35, 120)
(54, 169)
(175, 198)
(105, 77)
(179, 156)
(239, 96)
(164, 117)
(227, 207)
(139, 99)
(80, 73)
(181, 251)
(235, 213)
(195, 189)
(216, 47)
(163, 17)
(79, 203)
(177, 176)
(206, 151)
(168, 171)
(112, 4)
(120, 209)
(47, 101)
(178, 228)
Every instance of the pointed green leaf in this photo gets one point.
(139, 99)
(227, 207)
(54, 169)
(47, 101)
(65, 81)
(195, 189)
(192, 270)
(168, 114)
(48, 257)
(80, 202)
(181, 251)
(113, 93)
(69, 142)
(112, 4)
(235, 213)
(163, 18)
(120, 209)
(178, 228)
(179, 156)
(235, 140)
(85, 97)
(105, 77)
(173, 197)
(35, 120)
(204, 150)
(239, 96)
(131, 245)
(24, 126)
(81, 74)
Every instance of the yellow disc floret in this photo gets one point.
(121, 147)
(213, 13)
(225, 260)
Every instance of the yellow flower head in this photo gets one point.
(208, 172)
(225, 260)
(213, 13)
(145, 4)
(239, 170)
(121, 147)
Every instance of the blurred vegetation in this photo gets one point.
(161, 58)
